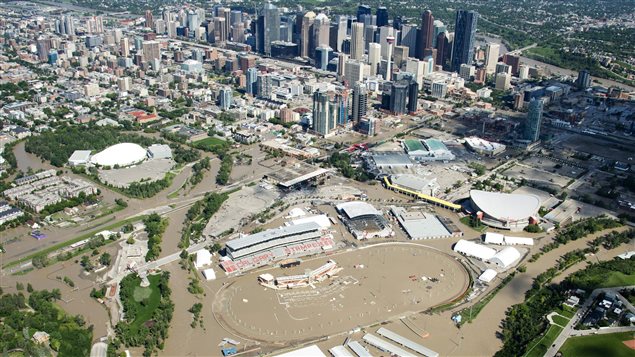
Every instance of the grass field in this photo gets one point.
(566, 311)
(562, 321)
(617, 278)
(148, 300)
(540, 345)
(209, 143)
(598, 346)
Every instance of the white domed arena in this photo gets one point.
(124, 154)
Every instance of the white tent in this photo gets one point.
(296, 212)
(518, 241)
(474, 250)
(506, 257)
(322, 219)
(494, 238)
(488, 275)
(209, 274)
(203, 258)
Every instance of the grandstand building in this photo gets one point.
(301, 280)
(262, 248)
(363, 220)
(504, 210)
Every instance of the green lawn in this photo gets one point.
(566, 311)
(617, 278)
(562, 321)
(541, 344)
(148, 300)
(598, 346)
(466, 220)
(209, 143)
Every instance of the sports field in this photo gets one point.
(395, 279)
(599, 345)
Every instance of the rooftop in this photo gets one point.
(506, 206)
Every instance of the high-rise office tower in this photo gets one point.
(413, 97)
(425, 33)
(513, 61)
(503, 68)
(409, 38)
(235, 17)
(584, 79)
(370, 33)
(264, 85)
(355, 71)
(321, 31)
(463, 44)
(220, 30)
(491, 56)
(324, 113)
(342, 58)
(357, 40)
(305, 33)
(399, 96)
(360, 102)
(534, 120)
(417, 68)
(252, 78)
(149, 19)
(172, 25)
(363, 10)
(238, 32)
(125, 47)
(225, 98)
(523, 72)
(439, 27)
(503, 81)
(267, 28)
(400, 55)
(322, 57)
(340, 34)
(397, 22)
(225, 13)
(382, 16)
(374, 57)
(43, 46)
(341, 107)
(151, 51)
(443, 50)
(193, 21)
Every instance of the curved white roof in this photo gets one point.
(488, 275)
(475, 250)
(357, 208)
(506, 257)
(506, 206)
(123, 154)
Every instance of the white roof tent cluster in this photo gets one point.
(402, 341)
(504, 259)
(500, 239)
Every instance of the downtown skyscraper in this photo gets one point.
(463, 44)
(267, 28)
